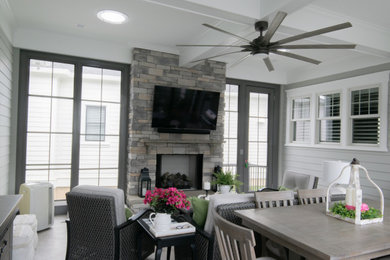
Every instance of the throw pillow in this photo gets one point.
(200, 208)
(128, 212)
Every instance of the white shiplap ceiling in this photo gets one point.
(71, 27)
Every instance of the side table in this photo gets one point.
(166, 241)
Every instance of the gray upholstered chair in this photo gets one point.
(294, 180)
(234, 241)
(97, 226)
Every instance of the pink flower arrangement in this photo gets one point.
(166, 200)
(364, 207)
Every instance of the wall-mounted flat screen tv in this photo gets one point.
(182, 110)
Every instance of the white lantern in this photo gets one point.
(353, 196)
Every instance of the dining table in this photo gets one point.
(307, 231)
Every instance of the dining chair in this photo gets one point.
(312, 196)
(273, 199)
(234, 241)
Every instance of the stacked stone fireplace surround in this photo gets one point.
(150, 68)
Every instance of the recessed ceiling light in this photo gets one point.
(110, 16)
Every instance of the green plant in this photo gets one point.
(340, 209)
(226, 178)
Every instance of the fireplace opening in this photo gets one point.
(182, 171)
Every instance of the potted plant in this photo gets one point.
(226, 181)
(165, 202)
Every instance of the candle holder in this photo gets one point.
(354, 197)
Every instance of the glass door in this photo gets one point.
(251, 133)
(256, 163)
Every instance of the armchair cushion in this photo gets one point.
(119, 198)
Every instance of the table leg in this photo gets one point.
(168, 253)
(193, 251)
(158, 253)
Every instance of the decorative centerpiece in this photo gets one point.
(226, 181)
(165, 202)
(354, 210)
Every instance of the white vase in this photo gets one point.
(225, 188)
(160, 221)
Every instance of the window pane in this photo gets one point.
(38, 118)
(62, 115)
(329, 105)
(95, 123)
(37, 148)
(92, 83)
(301, 108)
(301, 131)
(330, 131)
(89, 154)
(230, 125)
(230, 128)
(364, 102)
(108, 178)
(61, 149)
(88, 177)
(366, 130)
(111, 85)
(61, 182)
(109, 153)
(63, 79)
(40, 77)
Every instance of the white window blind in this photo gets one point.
(365, 116)
(301, 119)
(329, 118)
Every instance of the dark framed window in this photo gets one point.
(95, 123)
(61, 100)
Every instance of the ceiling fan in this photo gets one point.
(263, 44)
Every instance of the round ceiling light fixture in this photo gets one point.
(113, 17)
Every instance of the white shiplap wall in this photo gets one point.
(5, 109)
(310, 160)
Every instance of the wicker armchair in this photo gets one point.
(206, 246)
(97, 231)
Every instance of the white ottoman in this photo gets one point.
(23, 243)
(29, 220)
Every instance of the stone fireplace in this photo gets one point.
(150, 68)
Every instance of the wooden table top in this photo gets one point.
(308, 231)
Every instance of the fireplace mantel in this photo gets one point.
(152, 142)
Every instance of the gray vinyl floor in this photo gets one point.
(52, 242)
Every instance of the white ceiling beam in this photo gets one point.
(366, 36)
(243, 13)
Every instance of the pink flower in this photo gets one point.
(364, 207)
(350, 207)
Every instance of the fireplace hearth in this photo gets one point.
(182, 171)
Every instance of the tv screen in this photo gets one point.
(184, 109)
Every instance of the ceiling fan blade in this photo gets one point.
(278, 19)
(315, 46)
(314, 33)
(218, 56)
(240, 60)
(206, 45)
(268, 63)
(220, 30)
(296, 56)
